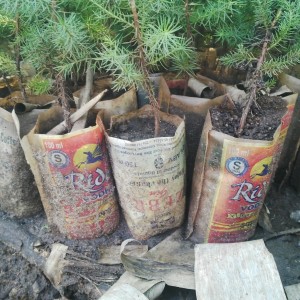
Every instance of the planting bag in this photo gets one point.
(73, 176)
(194, 111)
(230, 181)
(149, 176)
(125, 103)
(18, 192)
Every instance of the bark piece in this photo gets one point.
(236, 271)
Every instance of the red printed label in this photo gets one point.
(79, 165)
(246, 173)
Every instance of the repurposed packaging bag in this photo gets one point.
(230, 182)
(150, 177)
(18, 192)
(73, 176)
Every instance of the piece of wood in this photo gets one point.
(61, 127)
(293, 291)
(84, 98)
(237, 271)
(54, 265)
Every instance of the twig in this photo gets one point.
(187, 19)
(85, 97)
(18, 61)
(61, 127)
(60, 83)
(255, 78)
(142, 60)
(281, 233)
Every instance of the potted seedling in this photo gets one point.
(240, 145)
(71, 169)
(146, 147)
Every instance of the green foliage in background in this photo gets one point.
(7, 65)
(39, 85)
(163, 34)
(242, 25)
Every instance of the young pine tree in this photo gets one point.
(143, 37)
(263, 36)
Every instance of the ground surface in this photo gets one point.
(21, 280)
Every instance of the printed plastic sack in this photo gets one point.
(230, 182)
(194, 111)
(18, 192)
(149, 176)
(123, 104)
(73, 176)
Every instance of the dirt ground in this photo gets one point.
(21, 280)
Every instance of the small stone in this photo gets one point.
(124, 136)
(37, 243)
(295, 215)
(36, 288)
(123, 127)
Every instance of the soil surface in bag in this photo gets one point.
(262, 121)
(141, 128)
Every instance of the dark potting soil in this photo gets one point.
(141, 128)
(262, 121)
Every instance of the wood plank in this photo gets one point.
(293, 291)
(237, 271)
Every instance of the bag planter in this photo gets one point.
(193, 111)
(73, 176)
(289, 162)
(125, 103)
(149, 176)
(230, 182)
(18, 193)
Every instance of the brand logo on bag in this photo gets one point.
(59, 159)
(249, 192)
(88, 156)
(158, 163)
(237, 166)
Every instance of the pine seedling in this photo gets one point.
(16, 16)
(264, 34)
(58, 46)
(145, 36)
